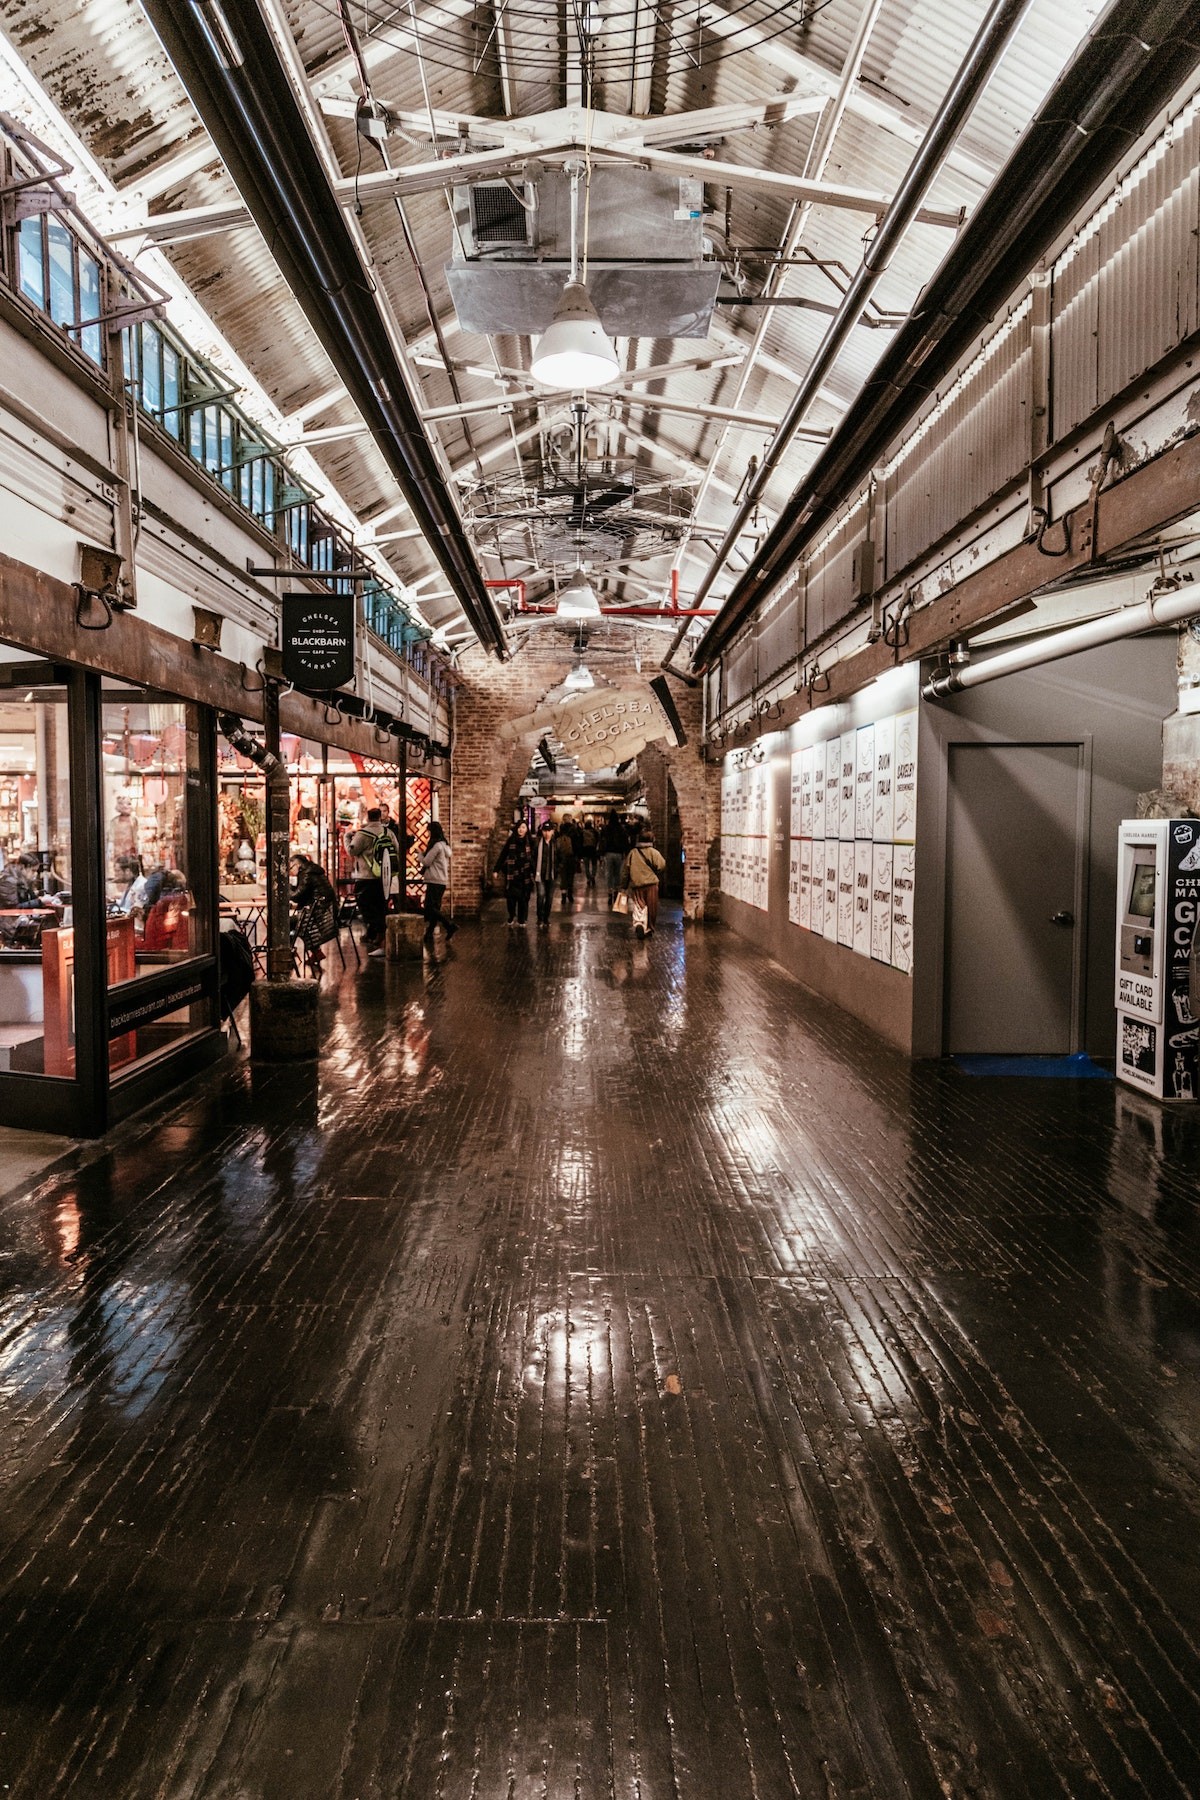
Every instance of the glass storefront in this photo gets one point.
(131, 833)
(107, 892)
(157, 856)
(37, 1003)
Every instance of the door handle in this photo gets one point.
(1062, 918)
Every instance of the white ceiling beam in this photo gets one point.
(704, 124)
(439, 172)
(708, 122)
(169, 171)
(504, 403)
(806, 193)
(318, 404)
(329, 434)
(185, 223)
(879, 111)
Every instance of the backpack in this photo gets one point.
(374, 857)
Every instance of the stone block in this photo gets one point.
(405, 937)
(284, 1025)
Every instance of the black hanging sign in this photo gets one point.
(318, 640)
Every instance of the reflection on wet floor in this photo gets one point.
(611, 1373)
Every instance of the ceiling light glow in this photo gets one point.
(575, 352)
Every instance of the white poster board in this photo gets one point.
(833, 785)
(862, 896)
(884, 797)
(904, 822)
(881, 902)
(807, 758)
(864, 781)
(845, 893)
(904, 862)
(846, 793)
(830, 889)
(804, 911)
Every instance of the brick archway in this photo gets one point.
(488, 772)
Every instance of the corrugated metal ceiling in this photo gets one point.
(102, 65)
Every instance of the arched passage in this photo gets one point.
(488, 771)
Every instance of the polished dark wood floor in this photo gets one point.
(612, 1375)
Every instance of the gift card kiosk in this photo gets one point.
(1158, 895)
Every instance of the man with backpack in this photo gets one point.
(369, 846)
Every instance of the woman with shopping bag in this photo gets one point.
(640, 875)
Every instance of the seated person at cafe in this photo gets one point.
(21, 884)
(168, 922)
(132, 883)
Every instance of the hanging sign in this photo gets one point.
(600, 728)
(318, 639)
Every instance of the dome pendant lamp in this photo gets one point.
(576, 351)
(578, 599)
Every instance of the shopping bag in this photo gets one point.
(641, 917)
(621, 903)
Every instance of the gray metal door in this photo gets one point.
(1014, 888)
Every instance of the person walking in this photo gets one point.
(544, 866)
(367, 846)
(516, 864)
(589, 849)
(435, 867)
(613, 845)
(567, 856)
(641, 872)
(392, 872)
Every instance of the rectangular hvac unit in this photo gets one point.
(500, 216)
(646, 271)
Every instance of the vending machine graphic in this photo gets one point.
(1158, 902)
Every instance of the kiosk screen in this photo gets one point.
(1142, 891)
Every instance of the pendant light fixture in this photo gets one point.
(578, 599)
(576, 351)
(580, 679)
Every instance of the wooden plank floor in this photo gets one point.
(611, 1375)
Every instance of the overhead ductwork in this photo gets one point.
(646, 273)
(228, 63)
(1133, 61)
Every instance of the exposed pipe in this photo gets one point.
(1157, 609)
(974, 72)
(1133, 60)
(240, 89)
(815, 163)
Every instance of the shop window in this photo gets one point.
(151, 370)
(172, 386)
(31, 258)
(157, 851)
(37, 1006)
(90, 307)
(228, 469)
(62, 272)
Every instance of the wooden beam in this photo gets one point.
(37, 613)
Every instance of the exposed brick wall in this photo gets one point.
(488, 772)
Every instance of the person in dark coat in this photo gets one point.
(566, 848)
(545, 860)
(316, 908)
(613, 845)
(516, 864)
